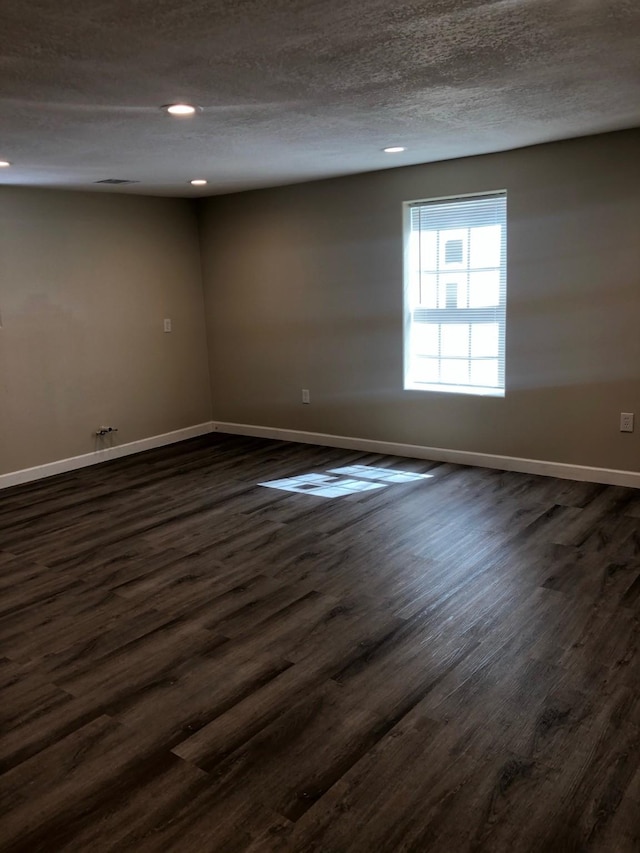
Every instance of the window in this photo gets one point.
(455, 294)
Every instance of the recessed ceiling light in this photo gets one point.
(180, 109)
(198, 182)
(394, 149)
(4, 163)
(116, 181)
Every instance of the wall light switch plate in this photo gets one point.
(306, 397)
(167, 325)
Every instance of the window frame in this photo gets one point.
(454, 315)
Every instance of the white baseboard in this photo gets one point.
(16, 478)
(608, 476)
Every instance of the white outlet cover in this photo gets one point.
(626, 421)
(167, 325)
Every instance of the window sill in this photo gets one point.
(473, 390)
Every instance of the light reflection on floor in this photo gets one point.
(342, 481)
(388, 475)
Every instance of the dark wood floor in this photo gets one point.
(191, 662)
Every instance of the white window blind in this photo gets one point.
(455, 294)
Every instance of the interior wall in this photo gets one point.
(303, 289)
(86, 280)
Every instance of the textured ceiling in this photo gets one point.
(299, 89)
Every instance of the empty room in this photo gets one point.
(319, 467)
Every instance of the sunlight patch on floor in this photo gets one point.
(387, 475)
(342, 481)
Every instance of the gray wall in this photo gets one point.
(85, 283)
(303, 289)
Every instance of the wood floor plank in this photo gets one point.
(317, 647)
(142, 661)
(189, 702)
(91, 647)
(36, 714)
(98, 768)
(294, 760)
(192, 662)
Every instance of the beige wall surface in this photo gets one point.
(304, 288)
(85, 283)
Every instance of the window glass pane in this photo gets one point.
(452, 291)
(414, 251)
(429, 290)
(428, 251)
(426, 369)
(455, 339)
(484, 372)
(485, 339)
(485, 246)
(458, 235)
(413, 272)
(412, 296)
(484, 289)
(425, 339)
(454, 372)
(453, 252)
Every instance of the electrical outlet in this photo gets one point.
(167, 325)
(626, 421)
(306, 397)
(106, 430)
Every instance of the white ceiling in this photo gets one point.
(293, 90)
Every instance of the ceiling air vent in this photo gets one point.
(116, 181)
